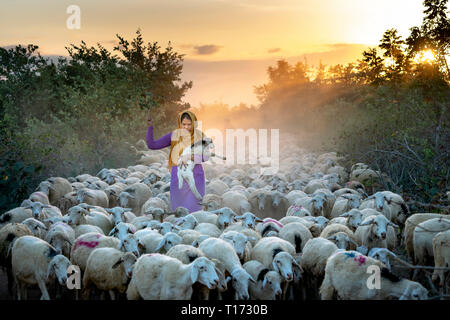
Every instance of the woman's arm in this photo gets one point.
(162, 142)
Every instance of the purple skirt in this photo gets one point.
(184, 197)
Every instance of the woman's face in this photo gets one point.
(186, 124)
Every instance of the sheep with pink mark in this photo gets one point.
(86, 243)
(160, 277)
(61, 236)
(267, 225)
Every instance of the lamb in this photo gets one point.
(134, 197)
(159, 277)
(93, 197)
(441, 253)
(346, 277)
(108, 269)
(221, 250)
(185, 171)
(34, 261)
(248, 220)
(411, 223)
(225, 217)
(78, 215)
(276, 254)
(8, 234)
(86, 243)
(268, 283)
(55, 188)
(297, 234)
(374, 232)
(423, 239)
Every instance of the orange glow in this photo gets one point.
(425, 56)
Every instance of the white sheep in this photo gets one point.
(423, 239)
(134, 197)
(155, 242)
(78, 215)
(108, 269)
(86, 243)
(61, 236)
(34, 261)
(353, 218)
(297, 234)
(376, 232)
(240, 243)
(93, 197)
(42, 211)
(379, 202)
(159, 277)
(37, 227)
(119, 214)
(346, 277)
(441, 253)
(236, 201)
(16, 215)
(55, 188)
(248, 220)
(208, 229)
(268, 282)
(345, 203)
(276, 254)
(221, 250)
(411, 223)
(187, 222)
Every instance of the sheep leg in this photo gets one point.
(43, 287)
(112, 295)
(10, 280)
(132, 292)
(285, 287)
(191, 183)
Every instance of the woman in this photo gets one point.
(178, 140)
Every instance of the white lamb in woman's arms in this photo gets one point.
(186, 171)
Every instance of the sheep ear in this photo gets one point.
(227, 279)
(331, 238)
(259, 219)
(112, 232)
(251, 279)
(251, 238)
(393, 224)
(194, 273)
(115, 265)
(160, 245)
(238, 217)
(127, 209)
(366, 223)
(264, 282)
(108, 210)
(141, 245)
(50, 269)
(346, 214)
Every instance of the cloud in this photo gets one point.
(207, 49)
(273, 50)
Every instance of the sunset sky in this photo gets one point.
(228, 44)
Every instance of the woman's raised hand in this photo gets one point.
(149, 119)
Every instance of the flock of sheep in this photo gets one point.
(313, 230)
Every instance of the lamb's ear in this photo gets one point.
(264, 282)
(346, 214)
(160, 245)
(141, 245)
(50, 269)
(112, 232)
(194, 273)
(115, 265)
(251, 279)
(366, 223)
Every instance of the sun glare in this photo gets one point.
(425, 56)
